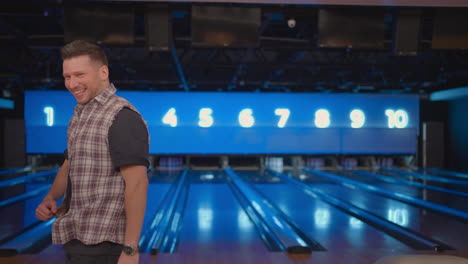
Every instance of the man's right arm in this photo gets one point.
(48, 208)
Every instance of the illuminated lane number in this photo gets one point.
(283, 113)
(397, 119)
(358, 118)
(49, 111)
(246, 118)
(322, 118)
(170, 118)
(206, 120)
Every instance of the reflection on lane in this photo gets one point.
(243, 221)
(398, 216)
(213, 219)
(355, 223)
(444, 228)
(205, 219)
(332, 228)
(322, 217)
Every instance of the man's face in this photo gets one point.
(84, 78)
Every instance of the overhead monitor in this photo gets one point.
(225, 26)
(361, 28)
(111, 24)
(450, 29)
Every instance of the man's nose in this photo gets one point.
(72, 82)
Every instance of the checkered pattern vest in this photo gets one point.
(96, 212)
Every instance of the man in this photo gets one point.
(103, 176)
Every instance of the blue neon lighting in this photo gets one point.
(322, 118)
(49, 111)
(283, 113)
(246, 123)
(397, 119)
(170, 118)
(358, 118)
(206, 118)
(7, 103)
(246, 118)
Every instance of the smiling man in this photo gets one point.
(103, 177)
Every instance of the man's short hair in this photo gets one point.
(80, 47)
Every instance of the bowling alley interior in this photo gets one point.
(298, 131)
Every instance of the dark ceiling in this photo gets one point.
(285, 59)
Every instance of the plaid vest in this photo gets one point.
(96, 212)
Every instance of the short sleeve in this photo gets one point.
(128, 140)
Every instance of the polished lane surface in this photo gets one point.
(441, 227)
(215, 225)
(332, 228)
(214, 220)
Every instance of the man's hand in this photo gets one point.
(46, 210)
(126, 259)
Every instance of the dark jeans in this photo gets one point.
(102, 253)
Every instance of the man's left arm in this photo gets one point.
(129, 147)
(136, 186)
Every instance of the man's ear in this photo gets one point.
(104, 72)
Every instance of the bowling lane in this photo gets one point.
(447, 199)
(440, 227)
(10, 174)
(22, 214)
(333, 229)
(457, 187)
(455, 175)
(213, 219)
(159, 184)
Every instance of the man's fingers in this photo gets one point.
(43, 211)
(53, 208)
(46, 210)
(41, 215)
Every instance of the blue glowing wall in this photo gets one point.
(246, 123)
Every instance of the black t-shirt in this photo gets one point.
(128, 140)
